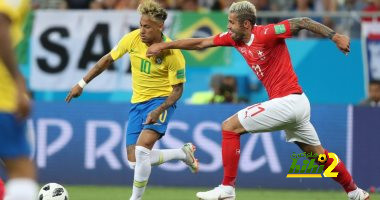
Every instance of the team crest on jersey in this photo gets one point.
(159, 60)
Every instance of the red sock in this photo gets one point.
(344, 177)
(2, 189)
(230, 155)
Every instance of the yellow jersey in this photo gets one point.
(16, 11)
(151, 77)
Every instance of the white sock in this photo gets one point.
(131, 164)
(21, 189)
(142, 172)
(159, 156)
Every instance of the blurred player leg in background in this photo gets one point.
(14, 108)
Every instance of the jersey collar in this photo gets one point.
(250, 40)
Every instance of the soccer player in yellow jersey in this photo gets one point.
(14, 106)
(157, 84)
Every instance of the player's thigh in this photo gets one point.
(135, 124)
(302, 132)
(13, 140)
(270, 115)
(162, 123)
(148, 138)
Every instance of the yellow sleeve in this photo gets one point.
(176, 68)
(124, 44)
(8, 10)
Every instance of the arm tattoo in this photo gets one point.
(173, 97)
(99, 67)
(297, 24)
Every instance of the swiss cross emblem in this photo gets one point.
(261, 55)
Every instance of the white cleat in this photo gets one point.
(190, 160)
(358, 194)
(222, 192)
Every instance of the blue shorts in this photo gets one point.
(13, 141)
(138, 114)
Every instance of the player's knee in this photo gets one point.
(227, 125)
(142, 153)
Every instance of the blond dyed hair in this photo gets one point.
(244, 10)
(153, 10)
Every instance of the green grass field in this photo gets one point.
(165, 193)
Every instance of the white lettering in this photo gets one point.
(45, 150)
(105, 149)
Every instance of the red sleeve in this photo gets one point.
(223, 39)
(276, 31)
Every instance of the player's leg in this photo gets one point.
(262, 117)
(14, 151)
(158, 156)
(143, 166)
(231, 131)
(303, 133)
(344, 177)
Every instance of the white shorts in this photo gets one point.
(290, 113)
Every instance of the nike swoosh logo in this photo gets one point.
(220, 198)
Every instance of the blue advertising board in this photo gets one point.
(366, 139)
(83, 143)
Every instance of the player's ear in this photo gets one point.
(161, 26)
(246, 24)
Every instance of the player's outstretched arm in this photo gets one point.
(99, 67)
(187, 44)
(171, 100)
(341, 41)
(8, 57)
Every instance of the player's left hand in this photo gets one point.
(154, 49)
(342, 42)
(152, 117)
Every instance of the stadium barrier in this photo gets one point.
(83, 143)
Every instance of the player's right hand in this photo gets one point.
(75, 92)
(342, 42)
(154, 49)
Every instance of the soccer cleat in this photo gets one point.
(190, 160)
(358, 194)
(222, 192)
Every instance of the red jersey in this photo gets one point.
(267, 55)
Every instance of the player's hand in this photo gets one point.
(23, 105)
(155, 49)
(152, 117)
(75, 92)
(342, 42)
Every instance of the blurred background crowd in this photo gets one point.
(217, 5)
(349, 26)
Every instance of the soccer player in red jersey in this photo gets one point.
(264, 49)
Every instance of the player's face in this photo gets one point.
(235, 28)
(150, 30)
